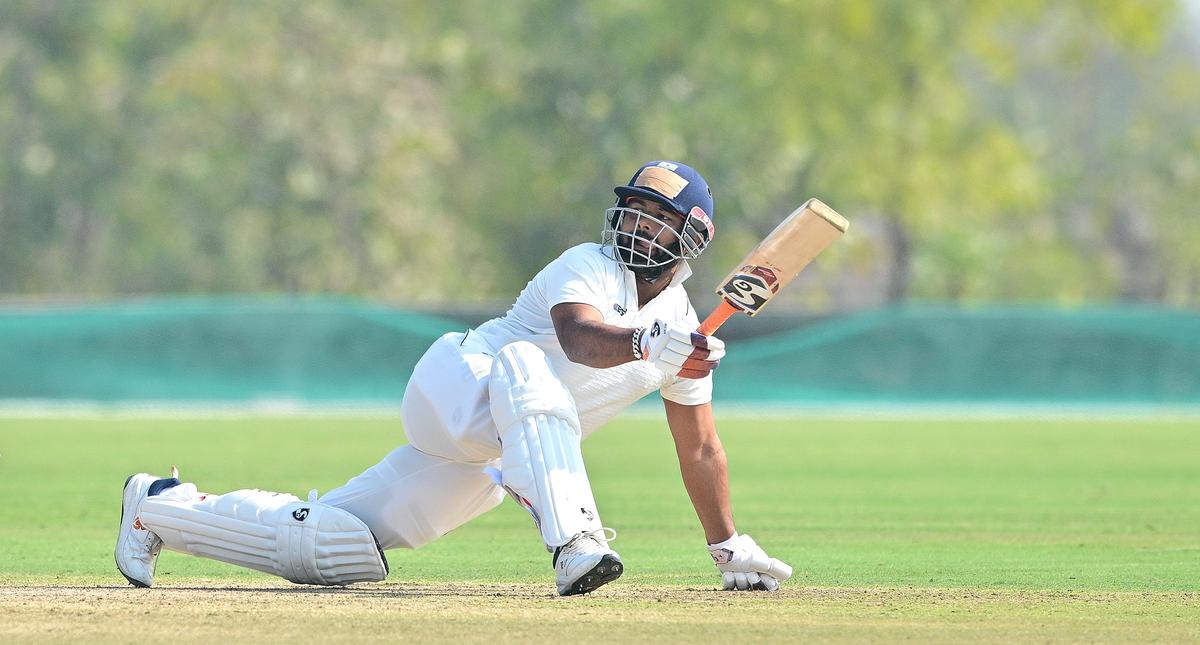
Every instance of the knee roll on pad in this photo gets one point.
(523, 383)
(541, 461)
(304, 542)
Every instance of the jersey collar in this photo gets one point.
(682, 273)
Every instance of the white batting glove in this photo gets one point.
(678, 351)
(746, 567)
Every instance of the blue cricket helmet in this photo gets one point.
(646, 249)
(675, 185)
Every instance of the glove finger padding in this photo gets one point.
(744, 565)
(733, 581)
(777, 569)
(765, 564)
(679, 351)
(700, 364)
(713, 347)
(695, 374)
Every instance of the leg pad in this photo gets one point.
(304, 542)
(541, 460)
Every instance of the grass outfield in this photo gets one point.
(898, 529)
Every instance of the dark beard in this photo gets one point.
(627, 256)
(664, 260)
(651, 274)
(624, 246)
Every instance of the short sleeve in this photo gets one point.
(578, 275)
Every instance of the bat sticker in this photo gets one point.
(750, 288)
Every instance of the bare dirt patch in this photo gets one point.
(204, 611)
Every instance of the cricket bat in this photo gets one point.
(775, 261)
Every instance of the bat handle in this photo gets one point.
(717, 318)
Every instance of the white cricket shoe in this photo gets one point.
(138, 547)
(585, 563)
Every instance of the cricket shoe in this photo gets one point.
(585, 562)
(138, 547)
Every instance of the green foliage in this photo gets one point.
(445, 151)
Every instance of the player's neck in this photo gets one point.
(647, 290)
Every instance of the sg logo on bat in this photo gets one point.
(750, 288)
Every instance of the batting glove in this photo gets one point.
(678, 351)
(746, 567)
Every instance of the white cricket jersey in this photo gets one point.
(587, 274)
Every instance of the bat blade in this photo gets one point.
(776, 260)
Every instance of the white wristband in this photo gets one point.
(727, 544)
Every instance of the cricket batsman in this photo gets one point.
(503, 409)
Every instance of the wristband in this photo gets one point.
(637, 342)
(727, 544)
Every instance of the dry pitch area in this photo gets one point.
(211, 611)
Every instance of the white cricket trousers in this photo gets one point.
(436, 483)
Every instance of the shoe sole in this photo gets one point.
(608, 569)
(121, 536)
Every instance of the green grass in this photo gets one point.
(1015, 505)
(930, 531)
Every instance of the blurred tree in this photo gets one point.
(442, 152)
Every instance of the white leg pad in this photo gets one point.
(304, 542)
(541, 460)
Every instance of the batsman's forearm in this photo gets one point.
(597, 344)
(706, 477)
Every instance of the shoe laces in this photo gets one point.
(601, 536)
(576, 545)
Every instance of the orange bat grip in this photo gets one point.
(717, 318)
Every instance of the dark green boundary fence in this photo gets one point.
(335, 351)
